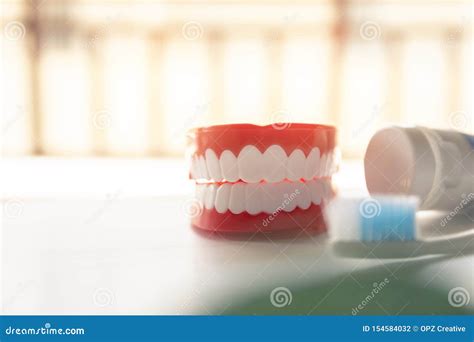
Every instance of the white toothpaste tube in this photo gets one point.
(435, 165)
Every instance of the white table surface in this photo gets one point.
(111, 237)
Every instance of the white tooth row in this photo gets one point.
(273, 165)
(262, 197)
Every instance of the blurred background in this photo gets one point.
(96, 97)
(127, 79)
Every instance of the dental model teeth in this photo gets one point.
(256, 198)
(273, 165)
(261, 178)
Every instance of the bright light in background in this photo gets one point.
(364, 97)
(424, 74)
(15, 130)
(66, 105)
(305, 77)
(186, 90)
(232, 71)
(126, 100)
(244, 82)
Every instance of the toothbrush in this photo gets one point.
(385, 227)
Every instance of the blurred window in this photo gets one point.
(128, 78)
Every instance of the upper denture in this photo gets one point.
(274, 165)
(253, 154)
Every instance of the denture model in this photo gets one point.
(253, 178)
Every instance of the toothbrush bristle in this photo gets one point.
(379, 218)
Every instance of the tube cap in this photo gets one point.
(400, 161)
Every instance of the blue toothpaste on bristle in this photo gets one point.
(377, 218)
